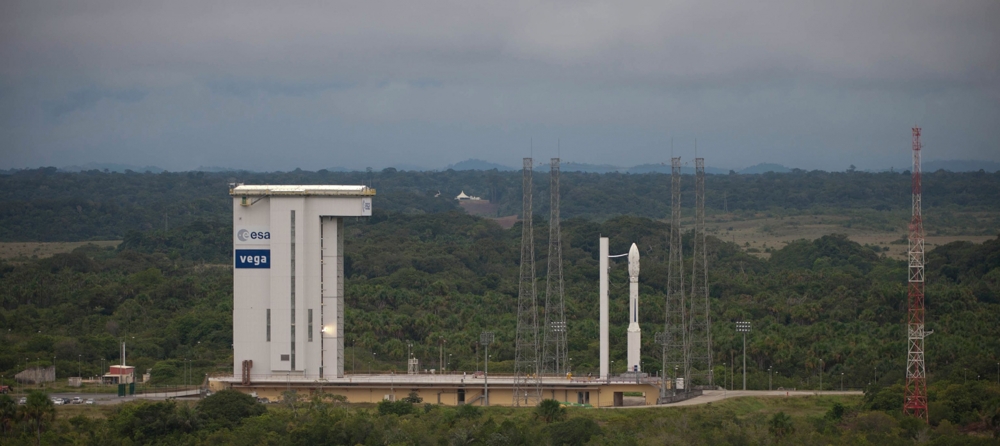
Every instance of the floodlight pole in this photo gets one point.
(744, 327)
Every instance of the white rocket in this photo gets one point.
(634, 334)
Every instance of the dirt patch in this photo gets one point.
(482, 208)
(759, 236)
(506, 222)
(28, 250)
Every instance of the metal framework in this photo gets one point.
(554, 354)
(527, 386)
(701, 322)
(915, 393)
(675, 346)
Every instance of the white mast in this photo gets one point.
(603, 265)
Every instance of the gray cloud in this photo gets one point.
(316, 84)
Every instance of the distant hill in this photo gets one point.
(665, 168)
(214, 169)
(588, 168)
(960, 165)
(476, 164)
(111, 167)
(765, 168)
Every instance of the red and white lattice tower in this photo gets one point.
(915, 399)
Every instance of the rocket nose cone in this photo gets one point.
(633, 260)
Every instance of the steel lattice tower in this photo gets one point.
(915, 399)
(554, 352)
(675, 347)
(701, 322)
(527, 388)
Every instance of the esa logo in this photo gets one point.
(244, 235)
(253, 258)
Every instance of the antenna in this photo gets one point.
(915, 392)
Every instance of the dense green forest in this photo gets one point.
(421, 271)
(421, 278)
(230, 417)
(46, 205)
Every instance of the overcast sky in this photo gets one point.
(278, 85)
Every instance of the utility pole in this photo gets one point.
(744, 327)
(915, 392)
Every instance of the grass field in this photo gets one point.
(760, 234)
(30, 250)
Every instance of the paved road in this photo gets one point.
(711, 396)
(111, 398)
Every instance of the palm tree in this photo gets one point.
(37, 411)
(780, 425)
(550, 410)
(8, 411)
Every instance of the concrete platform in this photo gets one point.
(448, 389)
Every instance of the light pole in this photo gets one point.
(820, 374)
(441, 353)
(769, 375)
(841, 381)
(79, 366)
(485, 339)
(447, 365)
(662, 338)
(744, 327)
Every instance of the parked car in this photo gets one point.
(57, 401)
(89, 401)
(23, 400)
(77, 400)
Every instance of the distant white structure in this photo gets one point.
(462, 197)
(288, 278)
(634, 334)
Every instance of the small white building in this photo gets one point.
(288, 278)
(462, 197)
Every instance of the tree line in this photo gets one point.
(47, 205)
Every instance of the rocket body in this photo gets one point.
(634, 333)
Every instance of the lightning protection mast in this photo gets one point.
(915, 399)
(527, 390)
